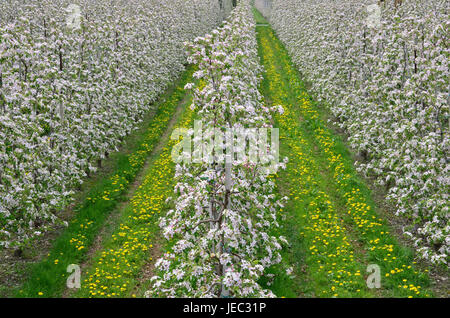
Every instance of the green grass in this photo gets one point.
(330, 209)
(115, 270)
(47, 278)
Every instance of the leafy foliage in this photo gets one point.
(69, 95)
(387, 86)
(224, 210)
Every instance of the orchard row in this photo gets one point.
(384, 76)
(76, 77)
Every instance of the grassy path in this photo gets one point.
(124, 264)
(77, 243)
(331, 221)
